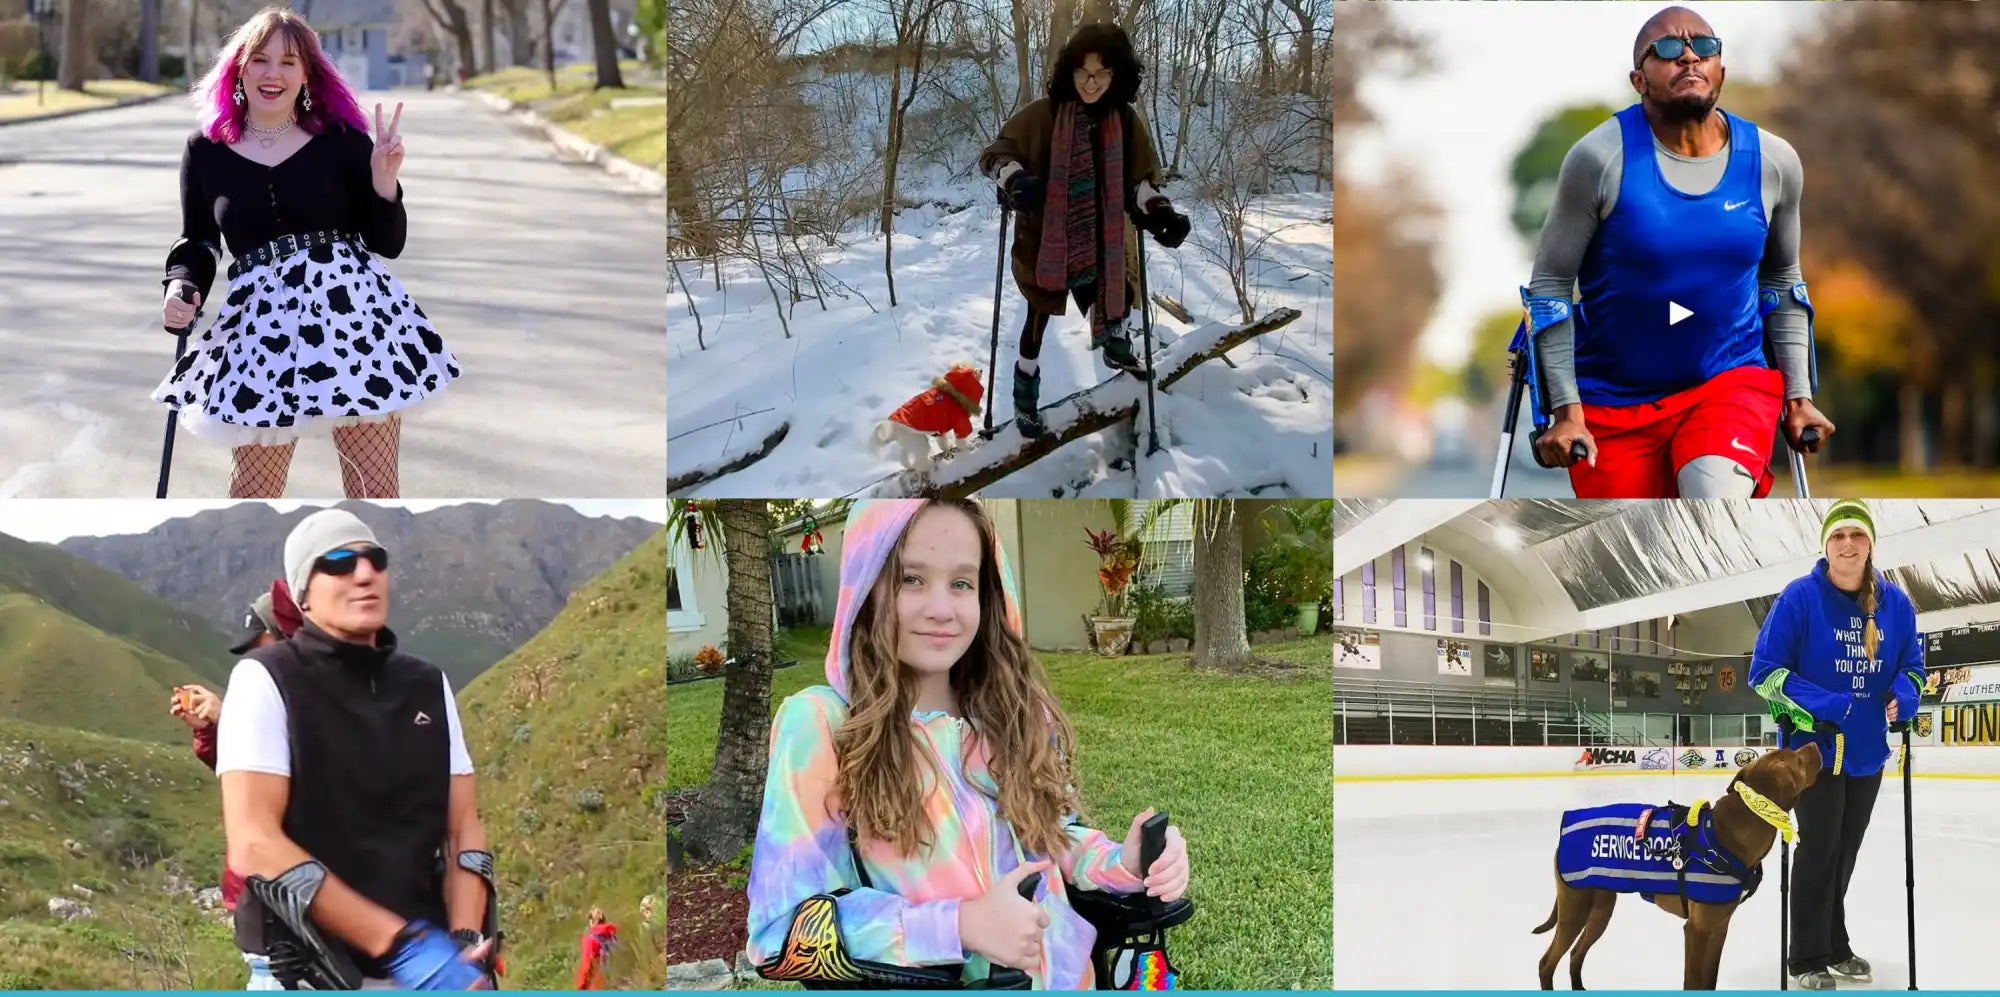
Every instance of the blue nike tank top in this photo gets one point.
(1662, 246)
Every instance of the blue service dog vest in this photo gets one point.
(1605, 848)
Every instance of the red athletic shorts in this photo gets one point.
(1641, 447)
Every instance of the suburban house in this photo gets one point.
(355, 35)
(1055, 571)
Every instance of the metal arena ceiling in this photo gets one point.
(1623, 560)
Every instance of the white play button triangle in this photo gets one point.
(1675, 313)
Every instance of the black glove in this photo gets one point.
(1168, 226)
(1021, 192)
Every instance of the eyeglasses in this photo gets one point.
(1705, 47)
(343, 562)
(1100, 78)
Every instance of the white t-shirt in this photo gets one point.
(252, 735)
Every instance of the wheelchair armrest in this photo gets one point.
(1116, 913)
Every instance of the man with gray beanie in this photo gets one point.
(344, 778)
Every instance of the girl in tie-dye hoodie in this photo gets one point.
(937, 743)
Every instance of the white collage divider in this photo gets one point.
(1399, 763)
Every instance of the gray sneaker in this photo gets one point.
(1855, 969)
(1818, 979)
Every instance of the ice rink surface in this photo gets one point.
(1438, 884)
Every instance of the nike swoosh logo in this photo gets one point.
(1738, 444)
(1733, 205)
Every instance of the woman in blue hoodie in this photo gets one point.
(1839, 662)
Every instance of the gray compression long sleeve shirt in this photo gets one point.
(1587, 190)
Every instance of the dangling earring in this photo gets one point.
(239, 92)
(307, 96)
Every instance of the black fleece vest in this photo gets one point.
(371, 766)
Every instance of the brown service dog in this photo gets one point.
(1780, 774)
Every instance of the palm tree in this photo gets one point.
(723, 818)
(1221, 639)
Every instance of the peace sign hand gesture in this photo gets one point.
(387, 159)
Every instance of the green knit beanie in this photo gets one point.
(1846, 512)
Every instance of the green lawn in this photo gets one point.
(17, 100)
(1244, 765)
(637, 132)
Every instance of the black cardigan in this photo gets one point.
(326, 184)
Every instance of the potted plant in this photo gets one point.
(1117, 562)
(1302, 559)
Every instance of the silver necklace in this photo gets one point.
(269, 136)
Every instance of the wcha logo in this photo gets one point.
(1608, 756)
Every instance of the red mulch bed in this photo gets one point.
(710, 918)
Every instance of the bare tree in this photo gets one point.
(550, 8)
(605, 44)
(450, 15)
(913, 20)
(75, 45)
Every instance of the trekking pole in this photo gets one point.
(185, 292)
(993, 344)
(1146, 321)
(1810, 441)
(1909, 857)
(1517, 379)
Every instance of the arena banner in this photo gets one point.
(1967, 724)
(1607, 758)
(1977, 684)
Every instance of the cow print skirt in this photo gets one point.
(322, 338)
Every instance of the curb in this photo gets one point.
(574, 147)
(706, 974)
(114, 105)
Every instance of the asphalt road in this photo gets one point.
(546, 278)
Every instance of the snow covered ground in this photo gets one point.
(1263, 428)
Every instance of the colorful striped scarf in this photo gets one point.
(1069, 247)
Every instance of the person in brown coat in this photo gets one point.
(1052, 161)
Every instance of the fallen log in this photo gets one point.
(1076, 415)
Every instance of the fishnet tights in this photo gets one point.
(370, 455)
(260, 472)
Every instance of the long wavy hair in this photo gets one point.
(214, 94)
(1004, 693)
(1114, 48)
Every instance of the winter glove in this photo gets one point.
(1021, 192)
(424, 957)
(1168, 226)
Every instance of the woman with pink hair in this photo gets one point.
(314, 332)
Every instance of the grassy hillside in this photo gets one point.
(570, 737)
(109, 602)
(60, 671)
(143, 814)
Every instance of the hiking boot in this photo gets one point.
(1818, 979)
(1118, 356)
(1855, 969)
(1027, 395)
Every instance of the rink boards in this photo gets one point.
(1402, 762)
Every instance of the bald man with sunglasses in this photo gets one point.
(344, 777)
(1679, 224)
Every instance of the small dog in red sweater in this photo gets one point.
(945, 408)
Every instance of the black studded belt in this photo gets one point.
(283, 246)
